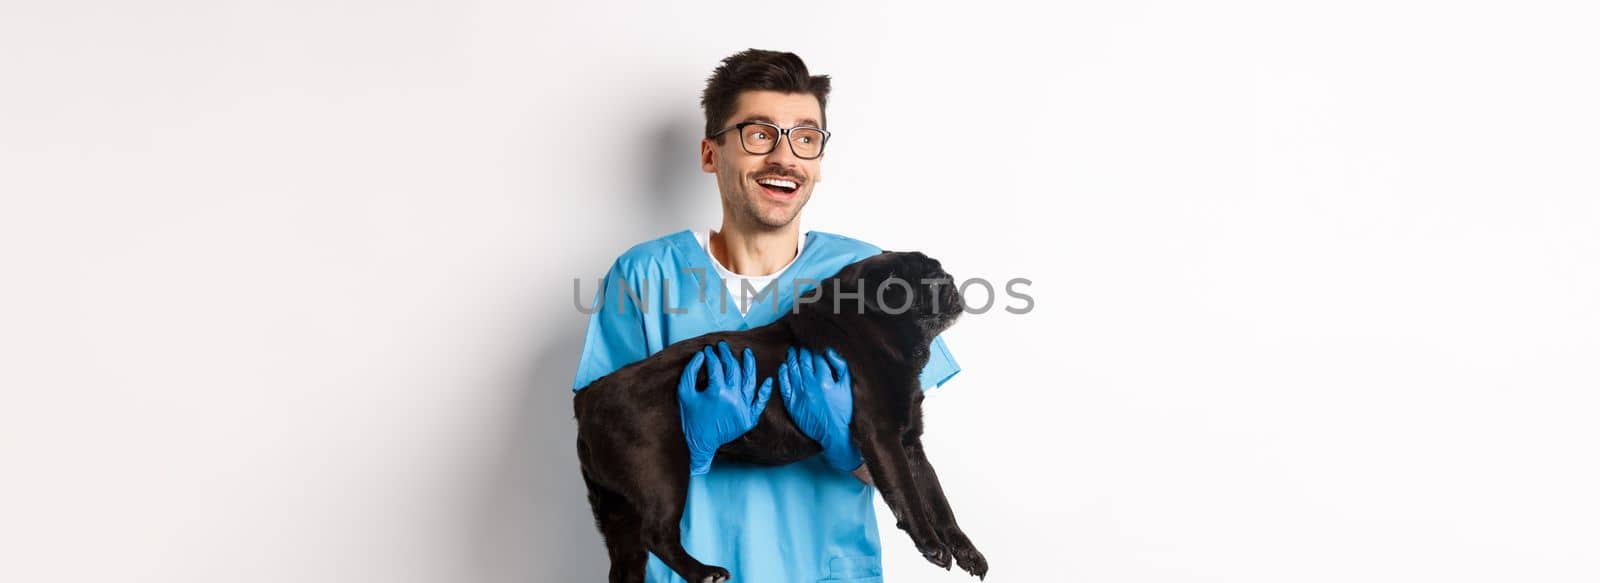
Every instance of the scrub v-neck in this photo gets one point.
(761, 312)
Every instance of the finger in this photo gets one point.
(749, 371)
(785, 387)
(713, 369)
(820, 364)
(747, 388)
(806, 367)
(840, 369)
(686, 384)
(762, 396)
(792, 359)
(730, 366)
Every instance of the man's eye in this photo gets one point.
(759, 135)
(805, 139)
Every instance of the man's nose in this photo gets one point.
(782, 153)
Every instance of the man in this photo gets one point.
(811, 520)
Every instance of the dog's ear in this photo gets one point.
(889, 286)
(845, 287)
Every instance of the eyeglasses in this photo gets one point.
(760, 138)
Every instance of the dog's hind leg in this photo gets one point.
(619, 525)
(660, 510)
(653, 476)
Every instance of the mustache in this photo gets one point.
(779, 173)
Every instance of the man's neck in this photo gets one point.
(755, 252)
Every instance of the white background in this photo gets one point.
(287, 285)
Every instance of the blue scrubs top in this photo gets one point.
(800, 522)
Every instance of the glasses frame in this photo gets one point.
(783, 135)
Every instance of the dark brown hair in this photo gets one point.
(758, 70)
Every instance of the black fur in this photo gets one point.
(636, 463)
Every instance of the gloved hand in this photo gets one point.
(820, 404)
(730, 405)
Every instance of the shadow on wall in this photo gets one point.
(535, 524)
(677, 187)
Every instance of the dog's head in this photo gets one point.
(905, 286)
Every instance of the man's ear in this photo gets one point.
(708, 156)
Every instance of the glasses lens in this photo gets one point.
(807, 142)
(759, 138)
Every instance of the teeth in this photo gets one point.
(777, 182)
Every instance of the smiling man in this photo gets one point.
(766, 132)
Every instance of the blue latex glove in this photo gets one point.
(730, 405)
(820, 404)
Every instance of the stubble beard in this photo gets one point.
(772, 216)
(752, 207)
(755, 210)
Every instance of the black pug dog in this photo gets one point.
(630, 436)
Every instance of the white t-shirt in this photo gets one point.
(735, 281)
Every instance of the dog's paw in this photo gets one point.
(967, 556)
(717, 575)
(972, 561)
(938, 555)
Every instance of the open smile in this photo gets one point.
(779, 188)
